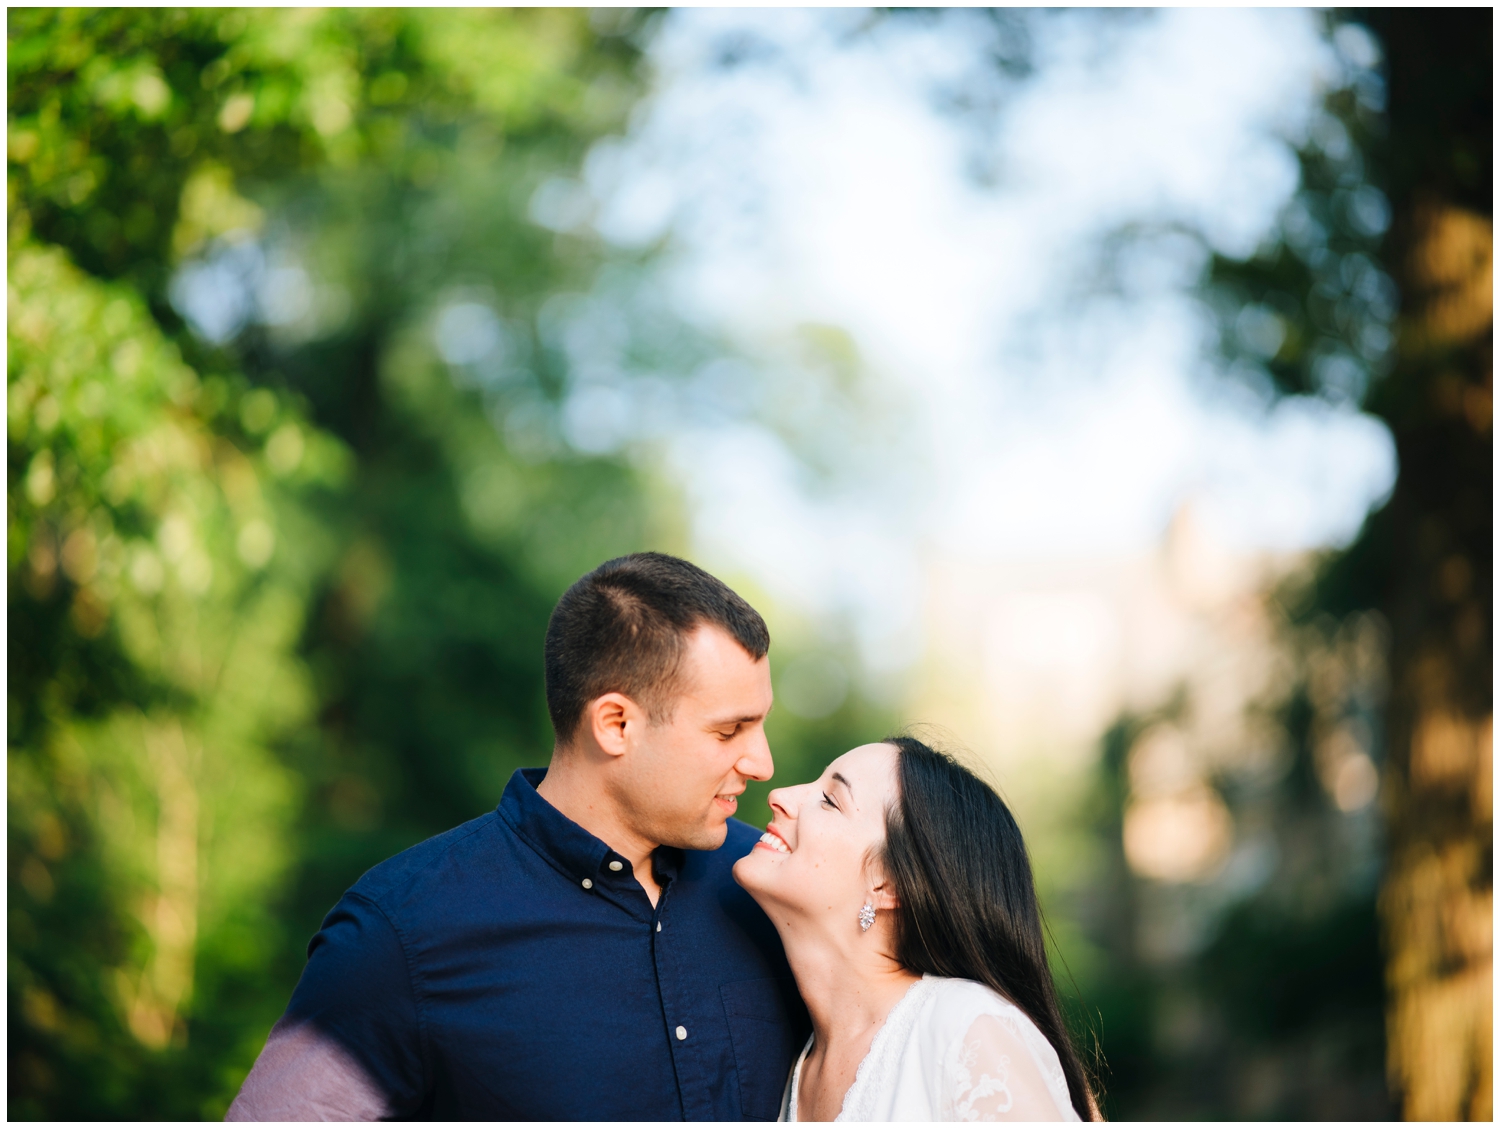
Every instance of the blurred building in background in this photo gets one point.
(1110, 391)
(1051, 654)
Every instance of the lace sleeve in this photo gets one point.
(993, 1075)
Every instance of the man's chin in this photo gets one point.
(709, 837)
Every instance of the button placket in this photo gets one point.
(678, 1008)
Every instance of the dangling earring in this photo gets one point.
(866, 916)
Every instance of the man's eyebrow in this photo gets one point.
(839, 776)
(746, 720)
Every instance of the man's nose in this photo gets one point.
(756, 762)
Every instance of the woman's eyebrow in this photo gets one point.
(840, 778)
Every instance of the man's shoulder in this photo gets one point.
(433, 862)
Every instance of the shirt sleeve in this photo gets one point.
(993, 1075)
(349, 1047)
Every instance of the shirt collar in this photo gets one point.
(575, 851)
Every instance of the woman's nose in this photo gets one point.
(783, 802)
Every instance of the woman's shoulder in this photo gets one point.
(981, 1039)
(949, 1008)
(953, 1005)
(961, 1001)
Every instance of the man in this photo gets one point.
(581, 952)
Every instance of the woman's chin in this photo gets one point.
(739, 870)
(751, 871)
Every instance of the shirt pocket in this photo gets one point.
(762, 1028)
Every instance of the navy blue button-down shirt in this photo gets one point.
(507, 970)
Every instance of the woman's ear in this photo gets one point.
(882, 892)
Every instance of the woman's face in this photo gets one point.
(813, 858)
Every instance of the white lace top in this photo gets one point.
(952, 1050)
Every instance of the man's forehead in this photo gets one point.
(711, 653)
(719, 677)
(715, 638)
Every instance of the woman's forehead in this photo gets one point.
(875, 764)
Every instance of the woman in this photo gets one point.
(902, 892)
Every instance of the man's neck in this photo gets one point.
(578, 793)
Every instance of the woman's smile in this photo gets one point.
(772, 841)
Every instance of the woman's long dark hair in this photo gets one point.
(968, 907)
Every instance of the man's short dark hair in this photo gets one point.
(621, 629)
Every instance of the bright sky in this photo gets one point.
(1017, 413)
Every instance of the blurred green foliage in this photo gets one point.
(1314, 309)
(277, 591)
(151, 669)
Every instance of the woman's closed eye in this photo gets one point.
(827, 799)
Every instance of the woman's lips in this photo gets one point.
(773, 842)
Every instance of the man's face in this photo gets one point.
(683, 777)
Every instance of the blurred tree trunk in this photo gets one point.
(1435, 539)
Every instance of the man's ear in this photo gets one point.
(610, 718)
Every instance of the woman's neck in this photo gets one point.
(849, 984)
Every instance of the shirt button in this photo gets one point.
(658, 927)
(588, 883)
(617, 866)
(682, 1032)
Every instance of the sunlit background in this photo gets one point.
(1025, 369)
